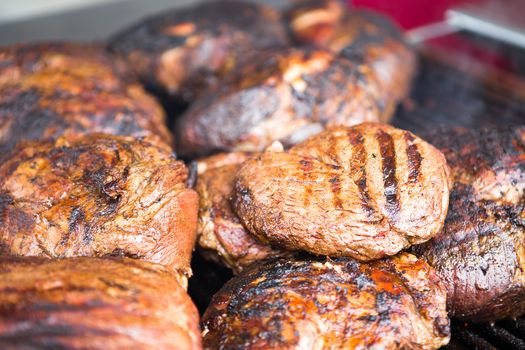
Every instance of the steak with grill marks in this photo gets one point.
(366, 191)
(278, 94)
(220, 233)
(480, 253)
(369, 39)
(92, 303)
(181, 51)
(54, 89)
(97, 195)
(393, 303)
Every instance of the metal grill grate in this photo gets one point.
(443, 95)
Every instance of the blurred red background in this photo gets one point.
(410, 13)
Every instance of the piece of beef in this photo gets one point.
(366, 191)
(480, 252)
(278, 94)
(220, 233)
(364, 37)
(97, 195)
(181, 51)
(92, 303)
(394, 303)
(54, 89)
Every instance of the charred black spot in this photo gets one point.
(121, 253)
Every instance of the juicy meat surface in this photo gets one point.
(480, 252)
(56, 89)
(366, 38)
(181, 51)
(220, 233)
(91, 303)
(366, 191)
(278, 94)
(97, 195)
(394, 303)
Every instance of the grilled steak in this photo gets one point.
(180, 51)
(219, 232)
(394, 303)
(97, 195)
(480, 251)
(280, 94)
(90, 303)
(366, 191)
(366, 38)
(49, 90)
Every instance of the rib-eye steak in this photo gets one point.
(480, 253)
(97, 195)
(278, 94)
(370, 39)
(55, 89)
(220, 233)
(180, 52)
(393, 303)
(92, 303)
(366, 191)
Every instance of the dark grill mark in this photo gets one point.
(388, 155)
(306, 167)
(414, 158)
(358, 174)
(336, 190)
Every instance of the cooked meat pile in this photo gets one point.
(90, 303)
(366, 38)
(480, 251)
(219, 232)
(281, 94)
(367, 192)
(97, 195)
(50, 90)
(394, 303)
(360, 69)
(181, 51)
(312, 205)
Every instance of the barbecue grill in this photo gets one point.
(450, 89)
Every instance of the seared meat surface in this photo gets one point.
(278, 94)
(220, 233)
(369, 39)
(366, 191)
(50, 90)
(97, 195)
(480, 251)
(91, 303)
(181, 51)
(394, 303)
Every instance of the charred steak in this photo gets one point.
(280, 94)
(480, 253)
(97, 195)
(181, 51)
(369, 39)
(91, 303)
(220, 233)
(366, 191)
(55, 89)
(394, 303)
